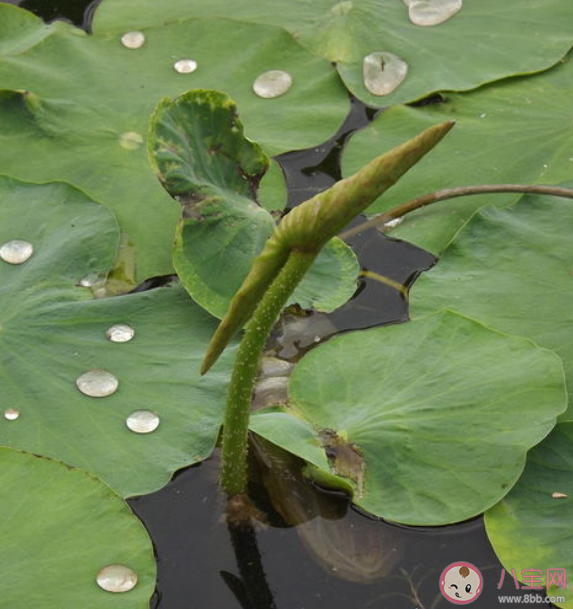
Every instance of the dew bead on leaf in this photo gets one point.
(16, 251)
(142, 421)
(185, 66)
(432, 12)
(92, 280)
(11, 414)
(383, 72)
(117, 578)
(120, 333)
(97, 383)
(133, 40)
(273, 83)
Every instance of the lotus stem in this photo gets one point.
(451, 193)
(276, 272)
(236, 425)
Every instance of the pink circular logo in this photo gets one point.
(461, 583)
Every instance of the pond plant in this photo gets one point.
(461, 411)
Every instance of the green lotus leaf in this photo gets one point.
(430, 420)
(53, 330)
(530, 529)
(331, 280)
(60, 527)
(485, 41)
(511, 269)
(214, 250)
(213, 255)
(279, 426)
(19, 32)
(88, 119)
(198, 147)
(517, 131)
(272, 194)
(203, 159)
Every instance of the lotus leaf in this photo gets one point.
(291, 433)
(85, 121)
(430, 420)
(485, 41)
(203, 159)
(530, 529)
(515, 131)
(53, 330)
(59, 528)
(513, 270)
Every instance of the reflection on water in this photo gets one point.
(345, 543)
(278, 565)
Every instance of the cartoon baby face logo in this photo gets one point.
(461, 583)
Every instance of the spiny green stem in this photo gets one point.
(451, 193)
(235, 430)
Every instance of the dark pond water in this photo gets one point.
(203, 565)
(78, 12)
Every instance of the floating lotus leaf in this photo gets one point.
(531, 528)
(485, 41)
(214, 255)
(513, 270)
(291, 433)
(18, 32)
(430, 421)
(59, 528)
(203, 159)
(86, 120)
(53, 330)
(516, 131)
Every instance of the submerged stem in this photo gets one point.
(451, 193)
(235, 430)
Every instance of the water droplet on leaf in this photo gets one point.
(272, 84)
(97, 383)
(11, 414)
(133, 40)
(142, 421)
(383, 72)
(16, 251)
(116, 578)
(432, 12)
(185, 66)
(92, 280)
(120, 333)
(130, 140)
